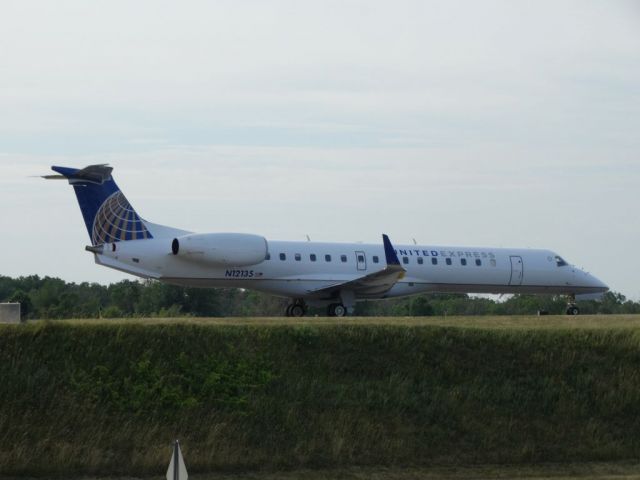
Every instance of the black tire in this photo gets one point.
(297, 311)
(573, 310)
(288, 310)
(331, 310)
(339, 310)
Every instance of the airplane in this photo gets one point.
(334, 276)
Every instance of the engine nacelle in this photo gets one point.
(221, 249)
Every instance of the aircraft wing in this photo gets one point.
(376, 283)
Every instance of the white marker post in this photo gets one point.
(177, 469)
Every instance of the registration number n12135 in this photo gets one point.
(239, 273)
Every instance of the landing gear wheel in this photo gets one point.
(573, 310)
(297, 309)
(340, 310)
(336, 310)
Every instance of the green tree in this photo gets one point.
(611, 302)
(22, 297)
(420, 307)
(46, 298)
(125, 296)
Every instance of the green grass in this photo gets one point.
(106, 398)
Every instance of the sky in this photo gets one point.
(494, 123)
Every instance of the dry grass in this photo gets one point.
(526, 322)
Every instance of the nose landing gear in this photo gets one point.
(572, 308)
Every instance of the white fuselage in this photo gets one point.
(306, 270)
(333, 274)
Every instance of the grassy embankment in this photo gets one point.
(108, 398)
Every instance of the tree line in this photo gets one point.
(54, 298)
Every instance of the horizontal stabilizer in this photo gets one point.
(53, 177)
(96, 174)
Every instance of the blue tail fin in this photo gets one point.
(108, 216)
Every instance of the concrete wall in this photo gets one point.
(9, 313)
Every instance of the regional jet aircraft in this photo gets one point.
(331, 275)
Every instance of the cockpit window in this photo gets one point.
(560, 262)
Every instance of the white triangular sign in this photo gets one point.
(179, 472)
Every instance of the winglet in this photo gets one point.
(389, 252)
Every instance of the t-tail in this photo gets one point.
(108, 215)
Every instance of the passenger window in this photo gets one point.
(375, 259)
(478, 262)
(420, 260)
(434, 261)
(268, 257)
(463, 261)
(405, 260)
(343, 258)
(449, 262)
(298, 257)
(283, 257)
(327, 258)
(313, 257)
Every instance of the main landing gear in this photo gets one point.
(297, 309)
(345, 305)
(336, 310)
(572, 308)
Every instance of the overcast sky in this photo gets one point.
(494, 123)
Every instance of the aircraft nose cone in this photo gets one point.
(597, 284)
(602, 285)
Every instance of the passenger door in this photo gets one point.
(517, 271)
(361, 261)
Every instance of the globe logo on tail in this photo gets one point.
(117, 221)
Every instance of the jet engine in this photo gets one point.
(221, 249)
